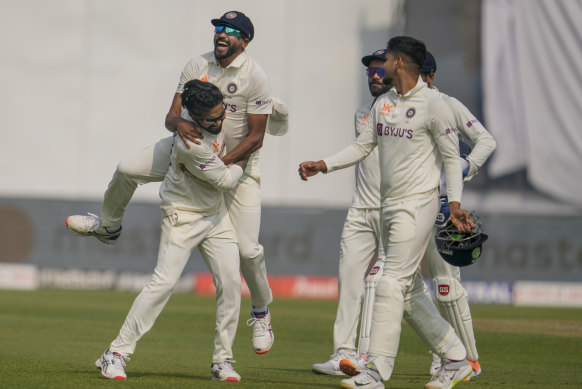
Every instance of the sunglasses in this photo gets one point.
(379, 71)
(228, 31)
(210, 121)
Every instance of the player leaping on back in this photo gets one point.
(248, 104)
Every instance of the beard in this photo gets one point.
(231, 49)
(214, 130)
(387, 81)
(377, 88)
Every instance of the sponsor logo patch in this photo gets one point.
(443, 290)
(263, 102)
(374, 270)
(410, 113)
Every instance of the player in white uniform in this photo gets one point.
(361, 232)
(193, 215)
(448, 290)
(248, 104)
(452, 300)
(414, 130)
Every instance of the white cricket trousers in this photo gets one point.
(359, 240)
(243, 204)
(407, 227)
(181, 233)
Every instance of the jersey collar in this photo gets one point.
(237, 63)
(419, 85)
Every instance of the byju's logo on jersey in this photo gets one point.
(232, 88)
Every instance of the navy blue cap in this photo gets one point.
(429, 65)
(236, 20)
(378, 54)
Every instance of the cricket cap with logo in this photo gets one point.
(429, 65)
(238, 20)
(378, 54)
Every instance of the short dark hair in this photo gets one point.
(200, 97)
(414, 49)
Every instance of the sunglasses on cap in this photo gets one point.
(379, 71)
(228, 31)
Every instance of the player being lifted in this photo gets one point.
(193, 215)
(414, 130)
(248, 103)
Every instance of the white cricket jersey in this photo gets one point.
(246, 90)
(197, 176)
(416, 135)
(471, 132)
(367, 191)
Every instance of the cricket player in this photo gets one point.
(454, 307)
(414, 130)
(361, 233)
(248, 104)
(193, 215)
(449, 293)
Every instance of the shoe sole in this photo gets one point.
(229, 379)
(98, 365)
(321, 372)
(348, 368)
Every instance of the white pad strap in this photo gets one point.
(368, 306)
(453, 302)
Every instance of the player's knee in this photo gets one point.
(250, 252)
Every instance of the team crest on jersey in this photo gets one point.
(230, 15)
(410, 113)
(232, 88)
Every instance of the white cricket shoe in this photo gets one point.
(263, 336)
(353, 366)
(435, 365)
(224, 371)
(332, 367)
(91, 226)
(112, 365)
(369, 378)
(449, 374)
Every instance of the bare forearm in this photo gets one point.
(243, 150)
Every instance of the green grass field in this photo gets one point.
(51, 339)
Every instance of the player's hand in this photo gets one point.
(311, 168)
(460, 218)
(188, 132)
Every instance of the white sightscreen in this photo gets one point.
(532, 56)
(84, 84)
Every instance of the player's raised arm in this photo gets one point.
(186, 129)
